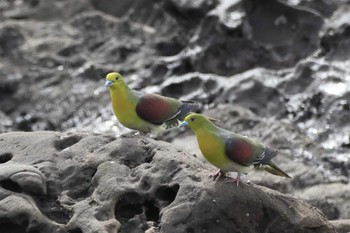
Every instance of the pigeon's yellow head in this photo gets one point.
(196, 121)
(114, 79)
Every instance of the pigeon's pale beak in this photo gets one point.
(184, 123)
(108, 83)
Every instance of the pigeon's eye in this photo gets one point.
(192, 119)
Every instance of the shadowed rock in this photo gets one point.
(22, 178)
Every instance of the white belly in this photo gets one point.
(235, 167)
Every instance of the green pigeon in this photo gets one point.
(230, 151)
(146, 113)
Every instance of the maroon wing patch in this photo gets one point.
(239, 151)
(153, 108)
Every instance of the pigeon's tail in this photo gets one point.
(185, 109)
(274, 169)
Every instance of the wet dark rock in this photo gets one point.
(180, 89)
(189, 13)
(90, 188)
(193, 86)
(10, 40)
(70, 50)
(342, 226)
(46, 9)
(152, 12)
(324, 7)
(5, 122)
(335, 40)
(156, 74)
(262, 100)
(169, 48)
(308, 108)
(8, 88)
(182, 66)
(206, 62)
(286, 28)
(328, 208)
(337, 162)
(278, 24)
(29, 122)
(331, 201)
(92, 72)
(216, 40)
(116, 8)
(269, 34)
(300, 80)
(317, 98)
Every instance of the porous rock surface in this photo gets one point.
(83, 182)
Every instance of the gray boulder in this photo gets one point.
(83, 182)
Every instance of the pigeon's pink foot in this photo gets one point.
(217, 174)
(233, 180)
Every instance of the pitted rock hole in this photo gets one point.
(5, 157)
(166, 193)
(134, 208)
(53, 209)
(10, 185)
(148, 159)
(145, 185)
(151, 211)
(7, 226)
(130, 163)
(67, 142)
(75, 230)
(189, 230)
(128, 206)
(33, 231)
(136, 160)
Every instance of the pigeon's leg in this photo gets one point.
(236, 180)
(217, 174)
